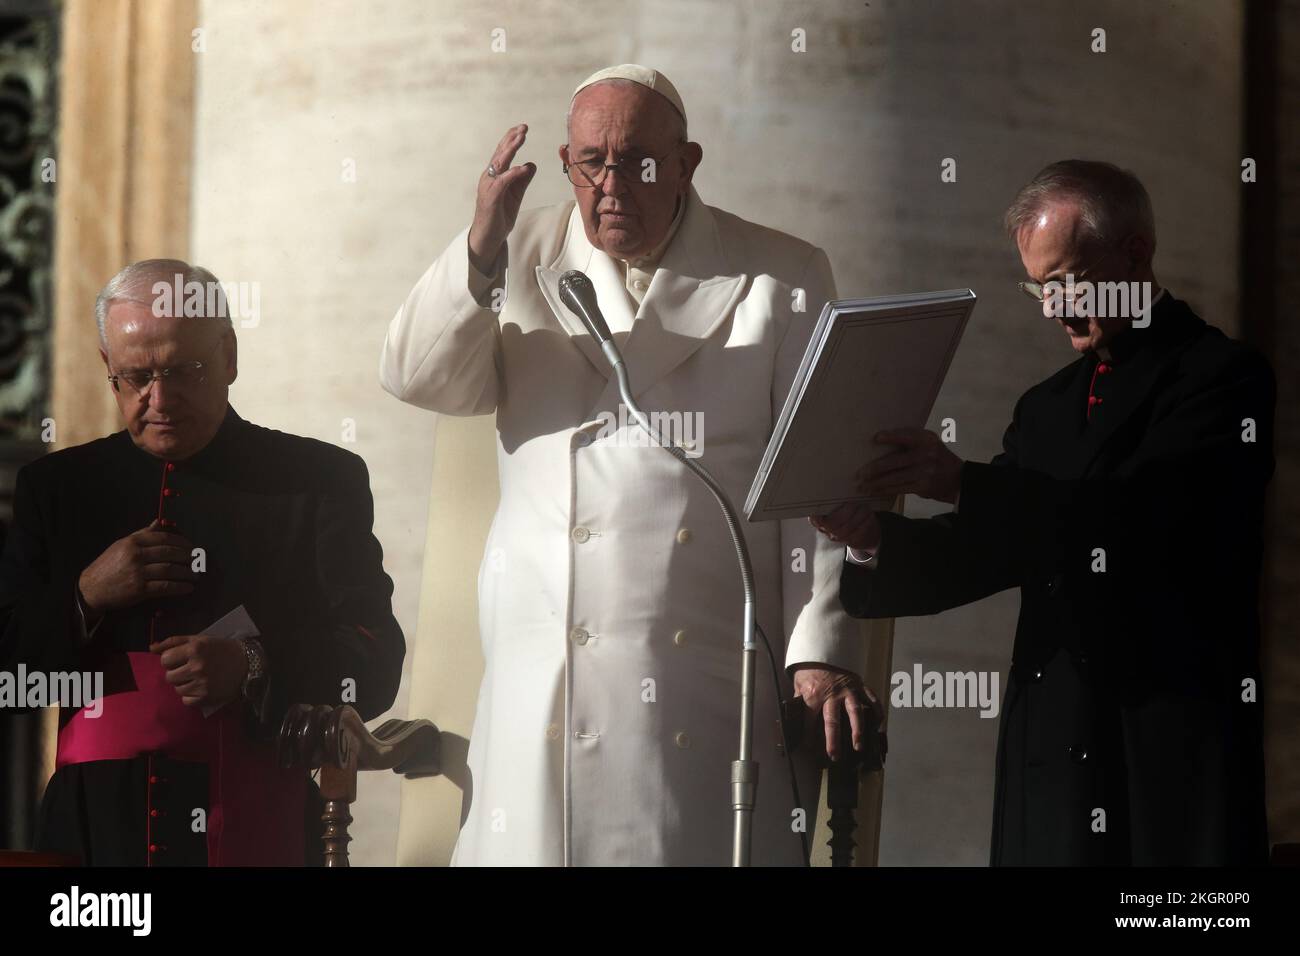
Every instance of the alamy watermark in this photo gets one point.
(947, 689)
(211, 300)
(1122, 300)
(75, 690)
(683, 429)
(75, 908)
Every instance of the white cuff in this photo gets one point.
(482, 286)
(862, 556)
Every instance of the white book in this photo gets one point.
(871, 364)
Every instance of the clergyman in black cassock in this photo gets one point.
(1127, 507)
(1130, 689)
(280, 527)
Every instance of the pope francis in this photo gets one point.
(609, 597)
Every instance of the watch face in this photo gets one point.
(254, 661)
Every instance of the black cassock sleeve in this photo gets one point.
(1179, 509)
(928, 565)
(39, 626)
(352, 651)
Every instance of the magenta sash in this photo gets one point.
(255, 808)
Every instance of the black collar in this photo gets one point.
(1171, 322)
(218, 449)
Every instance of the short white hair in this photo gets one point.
(136, 284)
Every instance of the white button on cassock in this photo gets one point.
(579, 635)
(581, 535)
(684, 536)
(553, 732)
(683, 740)
(680, 638)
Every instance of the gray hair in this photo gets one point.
(1113, 203)
(679, 121)
(136, 283)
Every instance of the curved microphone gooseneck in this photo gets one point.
(579, 296)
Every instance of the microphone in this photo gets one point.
(579, 295)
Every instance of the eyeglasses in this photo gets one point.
(140, 380)
(1035, 289)
(590, 173)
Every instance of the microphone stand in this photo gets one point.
(744, 770)
(579, 296)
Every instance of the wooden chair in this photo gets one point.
(335, 740)
(843, 778)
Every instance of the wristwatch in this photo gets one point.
(256, 675)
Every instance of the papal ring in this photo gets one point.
(492, 171)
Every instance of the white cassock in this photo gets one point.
(610, 602)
